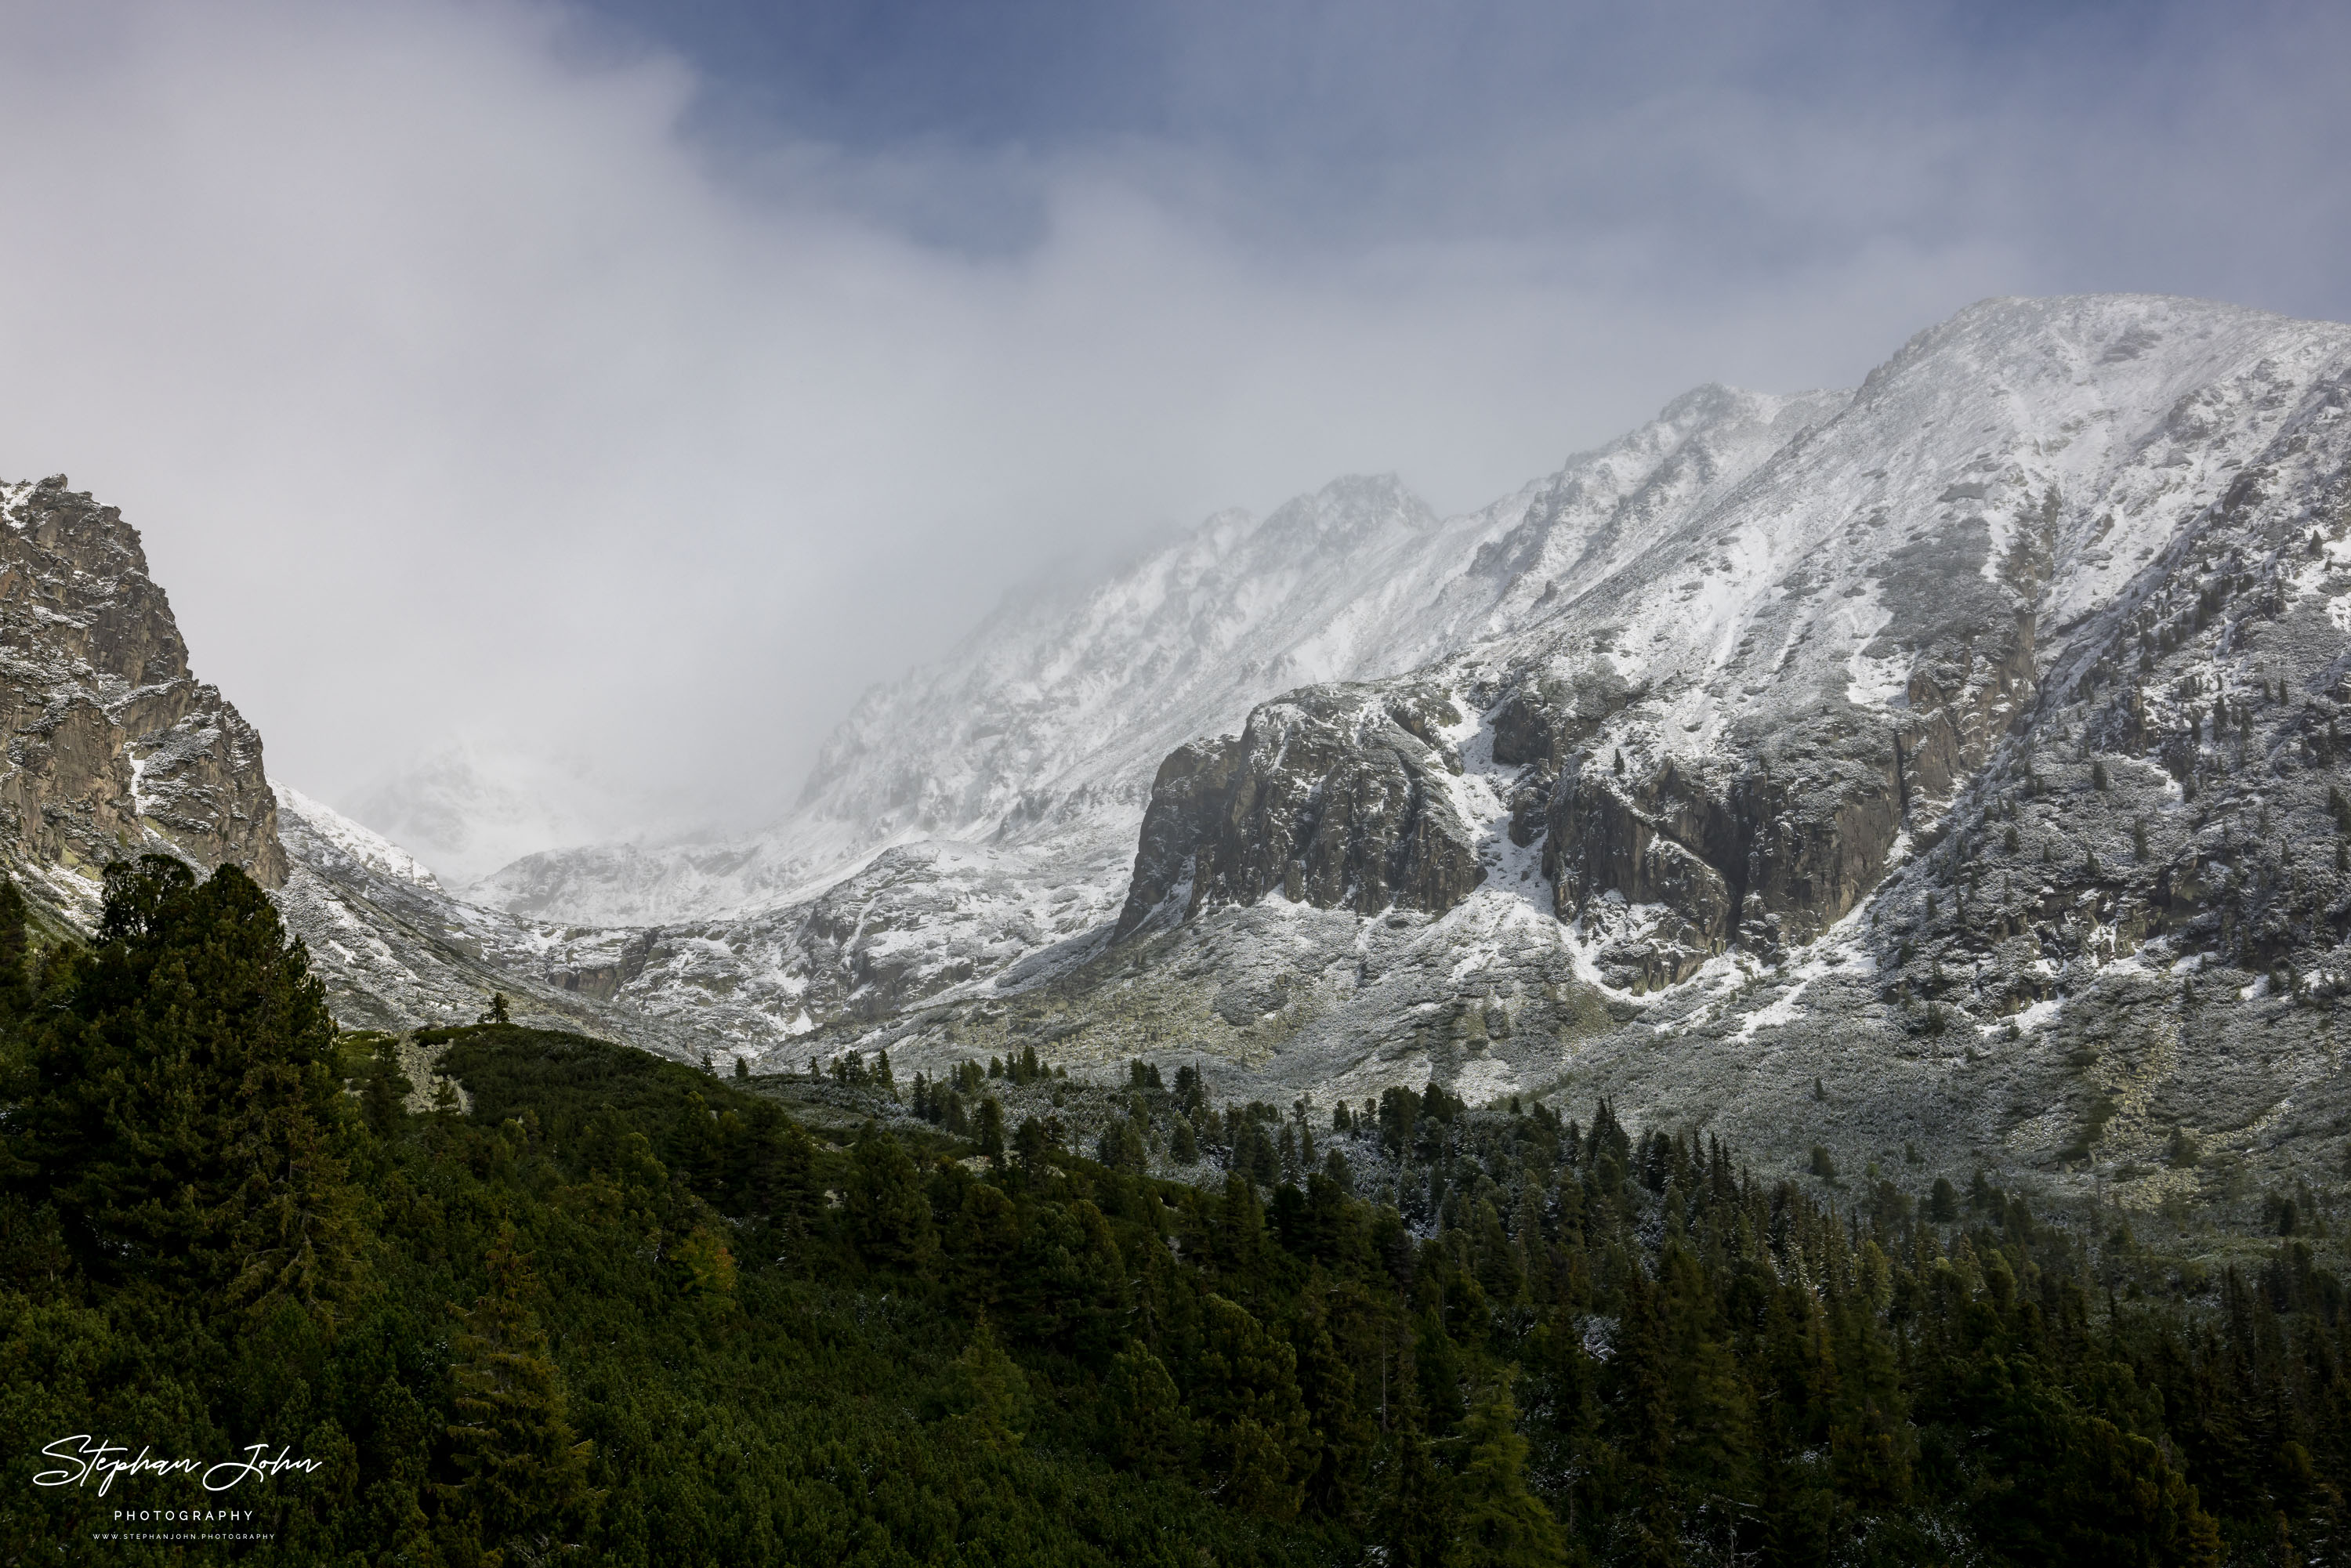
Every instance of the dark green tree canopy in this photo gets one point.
(617, 1310)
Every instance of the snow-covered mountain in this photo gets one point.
(1907, 758)
(1781, 678)
(1969, 777)
(1958, 765)
(1675, 711)
(1042, 729)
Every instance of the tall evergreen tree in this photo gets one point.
(16, 955)
(1261, 1446)
(1413, 1516)
(989, 1390)
(1497, 1522)
(524, 1492)
(185, 1113)
(386, 1089)
(889, 1213)
(1144, 1426)
(989, 1133)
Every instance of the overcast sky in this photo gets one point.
(606, 391)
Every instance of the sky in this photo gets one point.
(546, 417)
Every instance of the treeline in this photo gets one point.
(624, 1312)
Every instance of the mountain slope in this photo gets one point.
(1958, 766)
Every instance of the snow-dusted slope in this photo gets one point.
(2048, 450)
(1043, 726)
(364, 846)
(1795, 623)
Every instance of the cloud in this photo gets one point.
(482, 390)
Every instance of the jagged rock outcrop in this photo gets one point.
(1339, 797)
(114, 746)
(1781, 839)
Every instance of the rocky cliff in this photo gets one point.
(1341, 797)
(113, 745)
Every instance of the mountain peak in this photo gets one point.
(116, 747)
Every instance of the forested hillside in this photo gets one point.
(604, 1308)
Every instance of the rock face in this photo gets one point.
(1341, 797)
(113, 745)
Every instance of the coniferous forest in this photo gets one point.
(572, 1302)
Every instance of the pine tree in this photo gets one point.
(1144, 1425)
(386, 1090)
(16, 975)
(1032, 1150)
(1261, 1445)
(185, 1113)
(1648, 1442)
(989, 1389)
(1122, 1148)
(525, 1491)
(889, 1213)
(1497, 1522)
(1413, 1515)
(1327, 1385)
